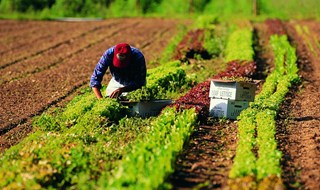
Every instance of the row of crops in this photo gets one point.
(96, 144)
(257, 125)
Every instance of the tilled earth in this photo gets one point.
(46, 63)
(299, 121)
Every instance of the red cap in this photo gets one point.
(122, 55)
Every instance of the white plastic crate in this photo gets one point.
(227, 89)
(226, 108)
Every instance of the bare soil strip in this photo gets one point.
(299, 135)
(58, 36)
(16, 28)
(58, 54)
(39, 34)
(9, 42)
(207, 160)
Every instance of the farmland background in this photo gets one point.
(55, 134)
(50, 9)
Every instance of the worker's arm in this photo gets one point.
(97, 92)
(99, 71)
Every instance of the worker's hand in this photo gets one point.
(116, 93)
(97, 92)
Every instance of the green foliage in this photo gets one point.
(269, 159)
(24, 5)
(69, 116)
(148, 6)
(215, 36)
(198, 6)
(156, 152)
(239, 45)
(87, 152)
(289, 9)
(206, 21)
(121, 8)
(308, 37)
(216, 40)
(78, 8)
(173, 8)
(47, 122)
(285, 73)
(230, 7)
(245, 161)
(161, 80)
(60, 159)
(167, 54)
(179, 8)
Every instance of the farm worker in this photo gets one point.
(127, 67)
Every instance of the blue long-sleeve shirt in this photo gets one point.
(134, 75)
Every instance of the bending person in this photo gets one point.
(128, 69)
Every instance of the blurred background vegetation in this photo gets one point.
(52, 9)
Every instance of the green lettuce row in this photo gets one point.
(279, 81)
(260, 117)
(285, 57)
(150, 159)
(268, 162)
(60, 158)
(268, 88)
(239, 45)
(215, 36)
(274, 101)
(244, 163)
(161, 80)
(61, 119)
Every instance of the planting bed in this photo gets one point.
(47, 63)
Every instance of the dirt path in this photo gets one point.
(60, 52)
(299, 135)
(44, 38)
(207, 160)
(38, 35)
(31, 94)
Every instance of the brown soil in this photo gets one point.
(299, 121)
(190, 46)
(207, 159)
(52, 69)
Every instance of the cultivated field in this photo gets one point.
(42, 63)
(45, 64)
